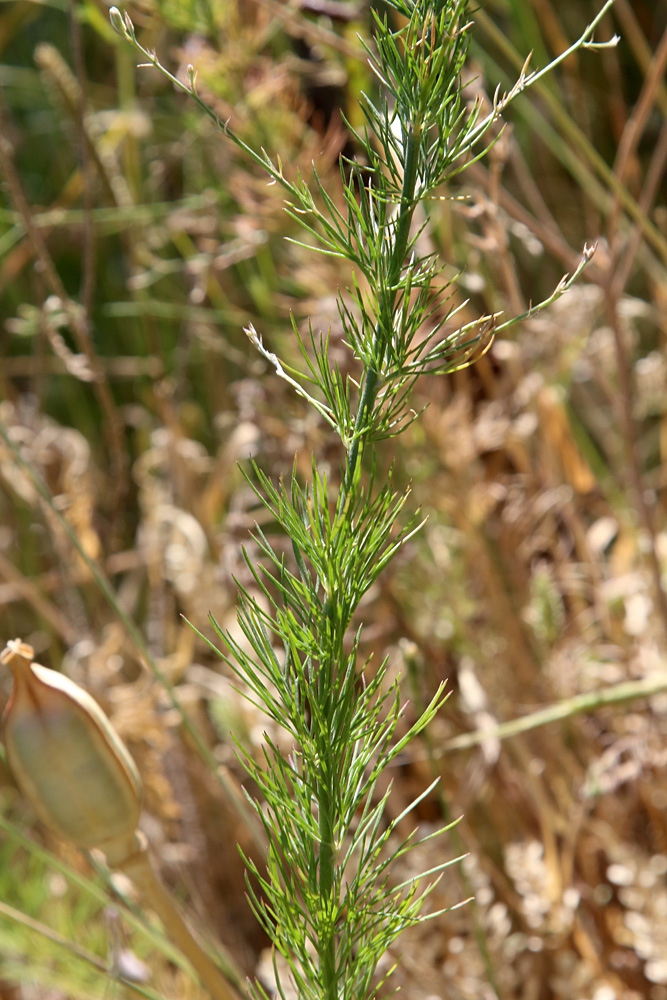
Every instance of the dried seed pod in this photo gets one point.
(67, 759)
(71, 765)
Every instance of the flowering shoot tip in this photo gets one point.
(116, 19)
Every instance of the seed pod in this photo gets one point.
(67, 759)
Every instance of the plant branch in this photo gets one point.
(617, 694)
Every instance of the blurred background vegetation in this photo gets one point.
(135, 244)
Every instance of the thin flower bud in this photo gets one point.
(67, 759)
(117, 22)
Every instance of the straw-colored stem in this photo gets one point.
(617, 694)
(138, 867)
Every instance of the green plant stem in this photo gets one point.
(369, 389)
(371, 379)
(326, 861)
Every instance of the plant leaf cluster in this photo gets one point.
(420, 132)
(344, 722)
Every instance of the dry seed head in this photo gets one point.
(67, 759)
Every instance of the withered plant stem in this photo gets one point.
(139, 869)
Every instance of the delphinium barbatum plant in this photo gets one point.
(327, 897)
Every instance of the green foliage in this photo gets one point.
(326, 898)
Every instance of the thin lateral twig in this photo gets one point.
(575, 140)
(618, 694)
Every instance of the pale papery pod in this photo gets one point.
(66, 757)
